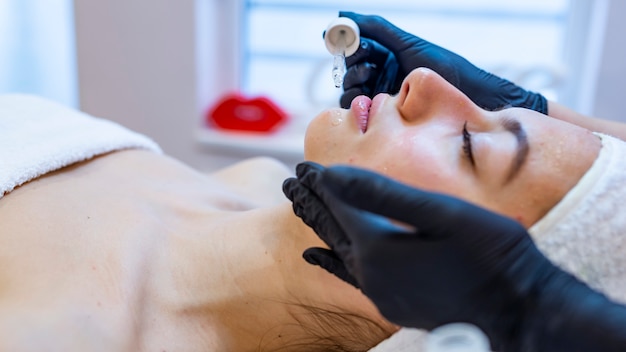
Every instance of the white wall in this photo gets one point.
(146, 65)
(610, 90)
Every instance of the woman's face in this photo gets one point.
(515, 161)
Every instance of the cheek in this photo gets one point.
(408, 159)
(413, 157)
(320, 140)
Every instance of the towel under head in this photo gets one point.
(38, 136)
(585, 233)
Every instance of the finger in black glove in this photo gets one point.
(308, 206)
(389, 54)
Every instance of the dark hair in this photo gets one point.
(330, 329)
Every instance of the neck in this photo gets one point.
(257, 293)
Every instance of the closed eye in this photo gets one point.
(467, 144)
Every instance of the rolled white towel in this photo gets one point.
(585, 233)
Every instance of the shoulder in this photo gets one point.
(261, 163)
(260, 178)
(259, 168)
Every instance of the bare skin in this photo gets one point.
(134, 251)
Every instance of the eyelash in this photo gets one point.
(467, 144)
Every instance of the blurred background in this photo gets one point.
(158, 66)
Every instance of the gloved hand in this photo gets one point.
(388, 54)
(427, 259)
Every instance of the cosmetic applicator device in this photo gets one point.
(342, 40)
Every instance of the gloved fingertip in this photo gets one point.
(310, 258)
(345, 101)
(348, 14)
(288, 186)
(305, 167)
(301, 168)
(349, 94)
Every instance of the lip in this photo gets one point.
(365, 108)
(360, 108)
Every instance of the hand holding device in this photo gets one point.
(387, 54)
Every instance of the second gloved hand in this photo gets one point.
(427, 259)
(398, 244)
(388, 54)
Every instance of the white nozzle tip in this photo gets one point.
(342, 26)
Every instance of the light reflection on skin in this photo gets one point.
(416, 137)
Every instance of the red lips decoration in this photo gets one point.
(237, 112)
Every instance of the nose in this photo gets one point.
(425, 94)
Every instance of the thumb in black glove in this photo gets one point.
(427, 259)
(388, 54)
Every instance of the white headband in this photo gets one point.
(585, 233)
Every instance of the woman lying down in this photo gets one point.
(132, 250)
(108, 244)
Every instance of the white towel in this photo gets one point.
(38, 136)
(585, 234)
(404, 340)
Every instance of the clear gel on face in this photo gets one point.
(336, 118)
(339, 60)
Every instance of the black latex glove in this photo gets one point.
(388, 54)
(427, 259)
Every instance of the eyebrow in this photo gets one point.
(513, 126)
